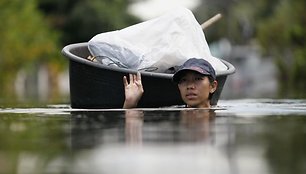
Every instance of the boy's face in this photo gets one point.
(195, 89)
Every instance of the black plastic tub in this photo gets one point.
(94, 85)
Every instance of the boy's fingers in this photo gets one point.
(125, 81)
(131, 78)
(139, 77)
(135, 78)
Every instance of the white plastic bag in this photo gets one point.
(156, 44)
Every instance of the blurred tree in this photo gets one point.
(26, 41)
(278, 26)
(282, 35)
(207, 9)
(239, 18)
(34, 31)
(80, 20)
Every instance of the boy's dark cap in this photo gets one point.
(198, 65)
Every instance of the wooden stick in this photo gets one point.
(211, 21)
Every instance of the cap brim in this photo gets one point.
(177, 76)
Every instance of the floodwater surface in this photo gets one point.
(238, 136)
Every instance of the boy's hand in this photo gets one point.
(133, 90)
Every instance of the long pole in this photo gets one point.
(211, 21)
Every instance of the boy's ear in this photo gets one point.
(213, 86)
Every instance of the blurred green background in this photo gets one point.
(33, 32)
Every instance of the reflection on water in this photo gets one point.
(239, 136)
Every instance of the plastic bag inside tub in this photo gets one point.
(155, 45)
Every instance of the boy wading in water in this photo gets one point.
(196, 81)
